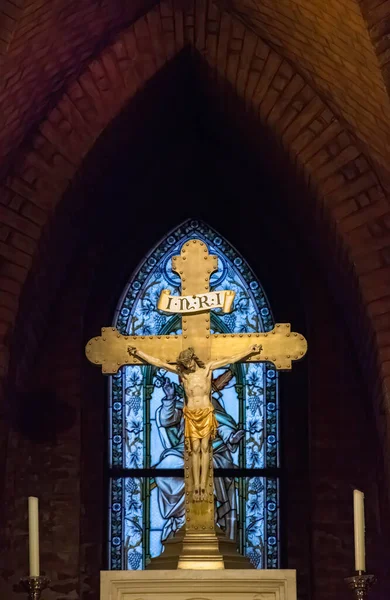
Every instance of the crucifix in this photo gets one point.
(194, 355)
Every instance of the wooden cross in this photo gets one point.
(280, 346)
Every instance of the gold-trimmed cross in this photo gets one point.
(280, 346)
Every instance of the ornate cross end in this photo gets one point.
(280, 346)
(194, 265)
(110, 350)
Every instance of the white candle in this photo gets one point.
(33, 529)
(359, 529)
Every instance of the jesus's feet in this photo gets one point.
(196, 495)
(203, 495)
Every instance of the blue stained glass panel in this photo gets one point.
(146, 416)
(261, 539)
(255, 518)
(126, 544)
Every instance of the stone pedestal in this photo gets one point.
(182, 584)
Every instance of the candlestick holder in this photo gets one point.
(34, 586)
(360, 584)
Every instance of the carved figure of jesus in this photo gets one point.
(200, 422)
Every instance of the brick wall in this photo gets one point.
(331, 47)
(43, 456)
(67, 468)
(344, 455)
(47, 43)
(52, 39)
(342, 202)
(327, 154)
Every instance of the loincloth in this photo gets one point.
(200, 423)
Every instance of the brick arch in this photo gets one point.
(351, 205)
(332, 47)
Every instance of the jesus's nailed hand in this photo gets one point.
(132, 351)
(256, 348)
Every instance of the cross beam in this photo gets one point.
(280, 347)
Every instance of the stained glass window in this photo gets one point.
(146, 432)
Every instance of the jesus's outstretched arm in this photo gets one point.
(152, 360)
(228, 360)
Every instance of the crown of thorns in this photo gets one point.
(186, 356)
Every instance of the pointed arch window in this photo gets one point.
(146, 435)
